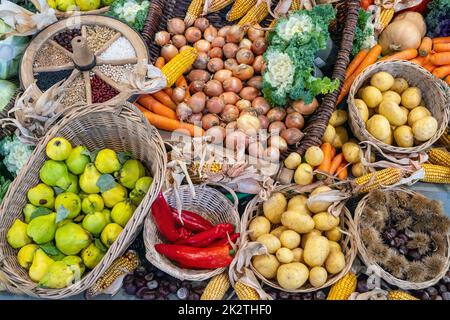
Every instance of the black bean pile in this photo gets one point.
(440, 291)
(281, 295)
(64, 38)
(47, 79)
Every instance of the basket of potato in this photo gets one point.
(307, 248)
(399, 106)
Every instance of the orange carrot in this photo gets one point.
(356, 62)
(327, 150)
(181, 82)
(169, 91)
(441, 47)
(150, 103)
(440, 58)
(342, 171)
(447, 79)
(425, 46)
(165, 99)
(336, 162)
(441, 40)
(429, 67)
(419, 60)
(370, 58)
(441, 72)
(160, 62)
(406, 54)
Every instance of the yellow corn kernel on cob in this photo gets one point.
(218, 5)
(383, 177)
(217, 287)
(400, 295)
(385, 17)
(343, 288)
(119, 268)
(194, 11)
(295, 5)
(436, 174)
(239, 9)
(439, 156)
(245, 292)
(255, 15)
(444, 140)
(178, 65)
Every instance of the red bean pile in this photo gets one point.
(64, 38)
(101, 91)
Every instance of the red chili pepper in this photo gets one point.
(164, 220)
(205, 238)
(191, 220)
(184, 233)
(225, 240)
(200, 258)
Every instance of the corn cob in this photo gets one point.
(295, 5)
(194, 11)
(217, 287)
(255, 15)
(444, 140)
(385, 18)
(383, 177)
(118, 269)
(400, 295)
(245, 292)
(218, 5)
(439, 156)
(178, 65)
(239, 9)
(436, 174)
(342, 289)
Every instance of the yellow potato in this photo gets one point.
(285, 255)
(277, 231)
(292, 275)
(392, 96)
(274, 207)
(411, 97)
(298, 222)
(362, 108)
(378, 126)
(400, 85)
(271, 242)
(290, 239)
(314, 156)
(338, 118)
(382, 81)
(392, 111)
(405, 111)
(335, 262)
(372, 96)
(334, 246)
(333, 234)
(404, 137)
(303, 174)
(390, 139)
(318, 276)
(317, 206)
(324, 221)
(298, 255)
(352, 152)
(417, 114)
(310, 234)
(358, 170)
(359, 93)
(424, 128)
(258, 226)
(316, 251)
(292, 161)
(266, 264)
(298, 203)
(341, 137)
(330, 134)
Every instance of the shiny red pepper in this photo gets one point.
(191, 220)
(184, 233)
(164, 219)
(197, 258)
(225, 240)
(205, 238)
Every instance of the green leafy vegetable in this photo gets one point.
(365, 34)
(133, 12)
(438, 18)
(15, 152)
(4, 186)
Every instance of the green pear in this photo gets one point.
(39, 267)
(70, 201)
(58, 149)
(42, 229)
(63, 222)
(110, 233)
(73, 187)
(92, 203)
(55, 174)
(114, 195)
(17, 235)
(140, 189)
(59, 275)
(25, 255)
(71, 238)
(122, 212)
(78, 159)
(77, 265)
(28, 211)
(41, 195)
(92, 256)
(94, 222)
(107, 161)
(107, 214)
(130, 172)
(88, 179)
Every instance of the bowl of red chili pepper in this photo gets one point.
(196, 241)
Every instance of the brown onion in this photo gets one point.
(176, 26)
(162, 38)
(230, 113)
(256, 149)
(196, 86)
(230, 64)
(184, 48)
(278, 142)
(216, 53)
(197, 102)
(218, 42)
(259, 46)
(231, 125)
(215, 64)
(201, 75)
(215, 105)
(236, 140)
(245, 56)
(271, 154)
(168, 52)
(195, 118)
(202, 61)
(235, 34)
(178, 94)
(249, 123)
(232, 84)
(243, 72)
(243, 104)
(264, 121)
(230, 50)
(179, 41)
(294, 120)
(201, 23)
(230, 97)
(202, 45)
(210, 33)
(193, 34)
(210, 120)
(248, 111)
(276, 114)
(255, 82)
(183, 111)
(245, 44)
(223, 31)
(222, 75)
(305, 109)
(261, 105)
(291, 135)
(216, 134)
(277, 127)
(213, 88)
(255, 32)
(249, 93)
(258, 64)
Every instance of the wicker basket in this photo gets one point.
(210, 204)
(121, 128)
(377, 269)
(67, 14)
(436, 95)
(348, 244)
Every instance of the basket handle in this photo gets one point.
(231, 191)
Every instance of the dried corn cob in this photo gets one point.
(444, 140)
(218, 5)
(383, 177)
(436, 174)
(439, 156)
(178, 65)
(385, 18)
(245, 292)
(217, 287)
(239, 9)
(400, 295)
(255, 15)
(295, 5)
(194, 11)
(111, 280)
(342, 289)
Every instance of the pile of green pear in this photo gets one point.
(75, 214)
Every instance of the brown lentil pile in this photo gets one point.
(116, 73)
(49, 55)
(75, 92)
(98, 36)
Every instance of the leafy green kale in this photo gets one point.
(364, 35)
(438, 18)
(133, 12)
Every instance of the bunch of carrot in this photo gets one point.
(332, 164)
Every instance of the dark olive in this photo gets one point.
(195, 296)
(159, 273)
(129, 278)
(140, 283)
(142, 291)
(442, 288)
(362, 286)
(173, 288)
(425, 296)
(130, 289)
(446, 295)
(432, 291)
